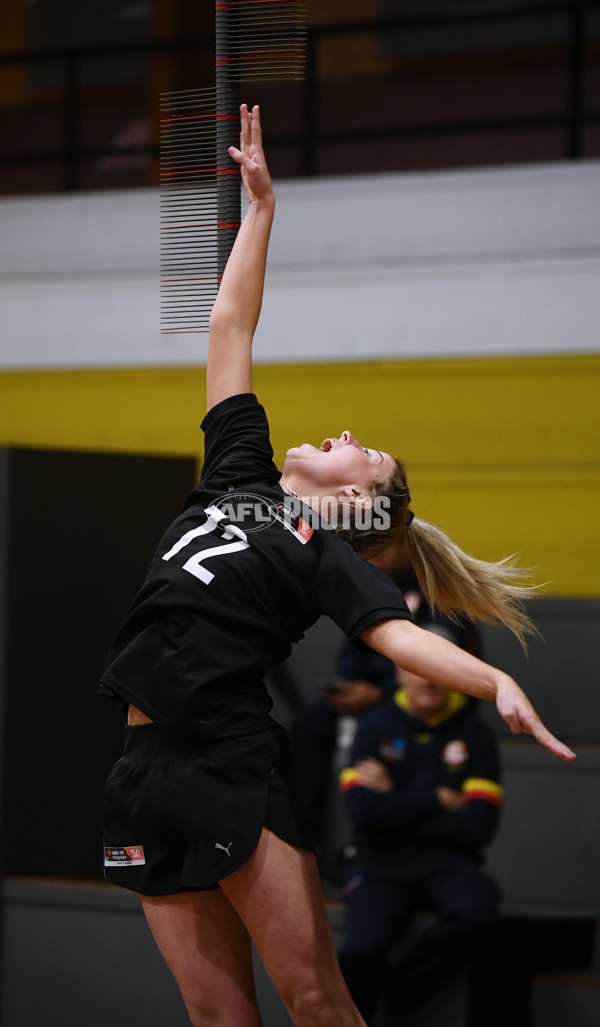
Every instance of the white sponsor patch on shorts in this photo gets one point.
(124, 856)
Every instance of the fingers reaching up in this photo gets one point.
(251, 158)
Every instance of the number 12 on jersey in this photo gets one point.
(195, 563)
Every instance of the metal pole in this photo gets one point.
(71, 123)
(576, 85)
(309, 109)
(228, 195)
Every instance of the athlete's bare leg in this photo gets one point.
(277, 894)
(208, 950)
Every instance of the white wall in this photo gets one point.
(490, 261)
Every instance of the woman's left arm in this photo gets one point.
(237, 307)
(432, 657)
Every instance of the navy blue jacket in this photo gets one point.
(455, 749)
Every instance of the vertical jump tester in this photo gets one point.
(200, 201)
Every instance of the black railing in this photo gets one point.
(572, 119)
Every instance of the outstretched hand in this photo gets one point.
(255, 173)
(514, 706)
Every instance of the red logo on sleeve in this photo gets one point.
(124, 856)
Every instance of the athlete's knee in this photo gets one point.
(314, 1007)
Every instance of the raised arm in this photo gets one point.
(237, 307)
(443, 663)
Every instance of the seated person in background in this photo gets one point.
(424, 797)
(363, 679)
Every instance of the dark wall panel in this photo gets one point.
(80, 529)
(559, 671)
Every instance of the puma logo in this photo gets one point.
(225, 848)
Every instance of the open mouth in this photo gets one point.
(327, 445)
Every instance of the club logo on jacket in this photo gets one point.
(392, 750)
(455, 753)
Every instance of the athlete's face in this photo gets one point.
(340, 463)
(425, 699)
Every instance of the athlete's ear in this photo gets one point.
(356, 497)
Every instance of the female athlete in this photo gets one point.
(202, 816)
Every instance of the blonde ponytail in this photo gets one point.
(454, 582)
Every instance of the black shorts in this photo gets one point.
(180, 814)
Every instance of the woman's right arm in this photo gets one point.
(237, 307)
(443, 663)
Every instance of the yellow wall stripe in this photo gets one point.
(503, 453)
